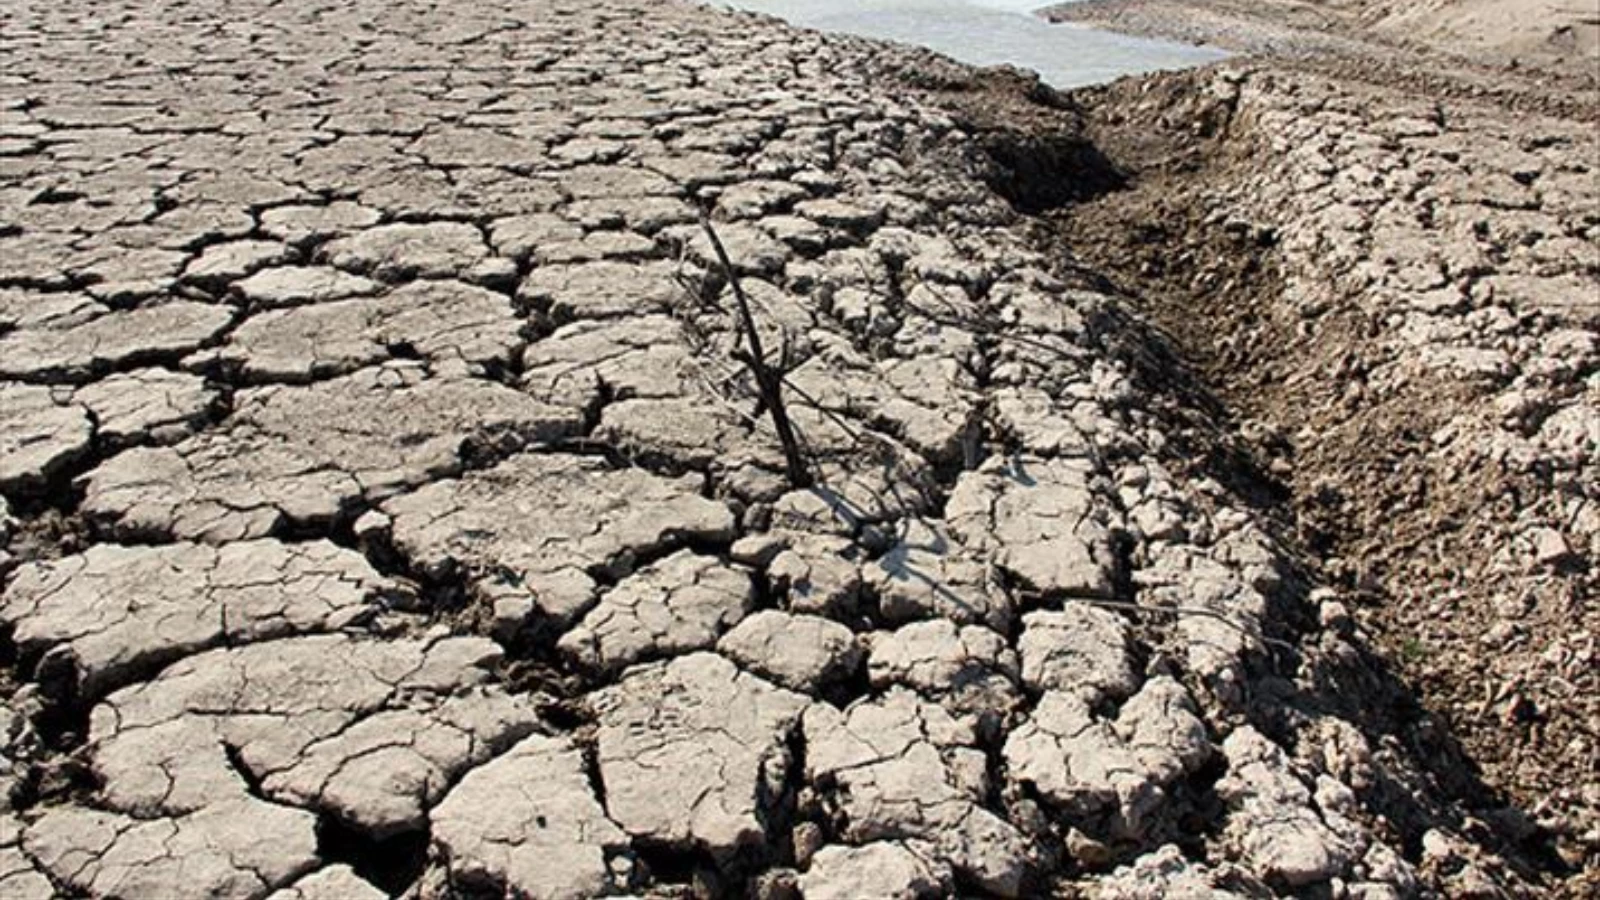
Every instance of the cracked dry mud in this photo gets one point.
(383, 512)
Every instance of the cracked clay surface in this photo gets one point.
(383, 511)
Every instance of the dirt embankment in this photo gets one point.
(1555, 36)
(1398, 297)
(1385, 261)
(1527, 55)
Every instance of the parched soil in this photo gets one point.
(1392, 284)
(390, 504)
(1437, 432)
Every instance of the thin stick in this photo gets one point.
(768, 380)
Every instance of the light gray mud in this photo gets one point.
(1384, 258)
(386, 514)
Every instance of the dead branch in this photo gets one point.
(769, 380)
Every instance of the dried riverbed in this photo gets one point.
(385, 513)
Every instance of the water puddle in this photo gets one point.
(992, 32)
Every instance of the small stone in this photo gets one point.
(1549, 547)
(806, 839)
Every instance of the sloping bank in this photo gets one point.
(386, 512)
(1393, 294)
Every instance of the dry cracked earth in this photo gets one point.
(385, 513)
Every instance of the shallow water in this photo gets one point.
(992, 32)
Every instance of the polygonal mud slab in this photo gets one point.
(859, 218)
(19, 878)
(529, 825)
(147, 406)
(1081, 649)
(416, 192)
(301, 456)
(1164, 873)
(816, 574)
(242, 848)
(298, 285)
(750, 250)
(220, 264)
(884, 483)
(336, 882)
(403, 251)
(111, 613)
(1276, 821)
(755, 197)
(929, 403)
(614, 359)
(373, 732)
(721, 734)
(1039, 520)
(679, 604)
(970, 670)
(887, 870)
(927, 575)
(896, 766)
(45, 309)
(589, 182)
(779, 316)
(39, 434)
(447, 147)
(1039, 422)
(697, 432)
(534, 529)
(447, 323)
(117, 339)
(1116, 771)
(122, 275)
(594, 246)
(382, 774)
(299, 224)
(799, 652)
(519, 237)
(603, 290)
(1232, 577)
